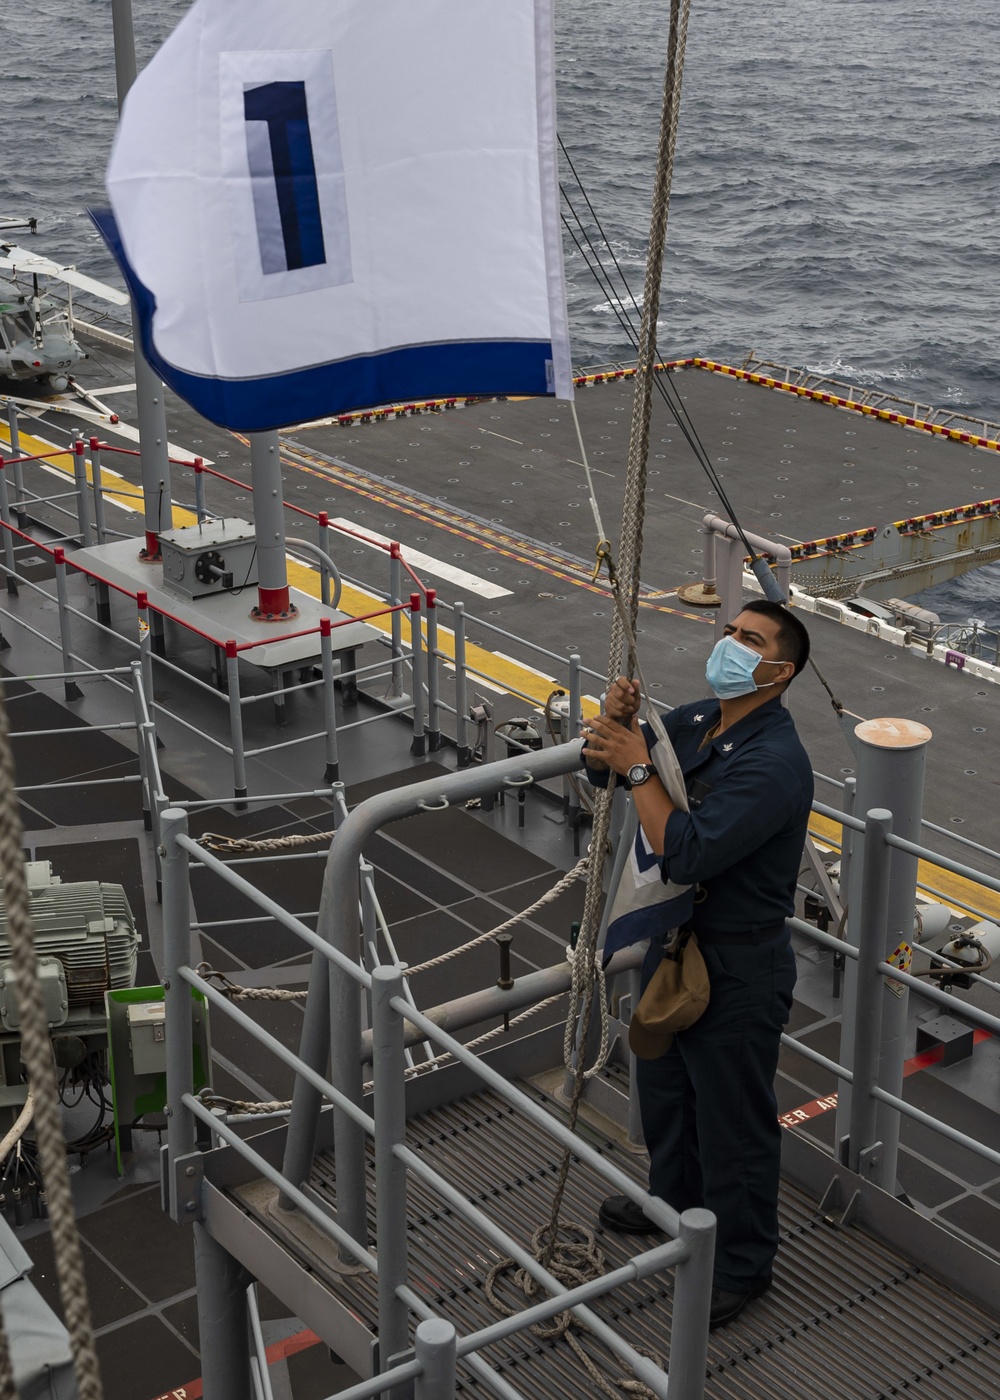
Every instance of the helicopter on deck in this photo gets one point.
(37, 339)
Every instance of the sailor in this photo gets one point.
(709, 1113)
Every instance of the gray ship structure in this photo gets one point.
(328, 1073)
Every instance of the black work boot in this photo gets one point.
(622, 1214)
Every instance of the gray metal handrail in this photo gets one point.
(691, 1247)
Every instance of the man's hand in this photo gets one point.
(622, 700)
(614, 744)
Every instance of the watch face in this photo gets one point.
(637, 774)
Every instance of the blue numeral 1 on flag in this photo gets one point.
(283, 176)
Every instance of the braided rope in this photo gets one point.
(487, 1036)
(546, 1242)
(235, 992)
(581, 976)
(233, 845)
(36, 1054)
(7, 1390)
(561, 885)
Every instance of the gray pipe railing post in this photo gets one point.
(236, 725)
(200, 509)
(139, 711)
(15, 452)
(70, 688)
(9, 561)
(82, 507)
(433, 675)
(575, 723)
(692, 1301)
(314, 1049)
(223, 1320)
(847, 835)
(419, 744)
(332, 772)
(160, 805)
(177, 998)
(864, 1154)
(145, 649)
(323, 533)
(892, 757)
(462, 720)
(437, 1349)
(340, 1018)
(100, 524)
(396, 619)
(369, 925)
(390, 1173)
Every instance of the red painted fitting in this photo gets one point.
(199, 466)
(324, 519)
(326, 627)
(232, 651)
(152, 550)
(273, 600)
(95, 444)
(431, 598)
(113, 418)
(395, 550)
(414, 602)
(142, 601)
(78, 447)
(59, 555)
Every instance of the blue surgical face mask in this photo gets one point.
(730, 669)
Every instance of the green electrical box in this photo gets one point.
(137, 1056)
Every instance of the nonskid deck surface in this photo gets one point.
(846, 1316)
(497, 490)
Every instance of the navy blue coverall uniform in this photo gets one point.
(709, 1113)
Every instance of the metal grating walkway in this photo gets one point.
(847, 1316)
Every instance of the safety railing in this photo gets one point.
(128, 678)
(421, 652)
(338, 982)
(869, 957)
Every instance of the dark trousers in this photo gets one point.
(709, 1115)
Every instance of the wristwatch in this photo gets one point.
(640, 773)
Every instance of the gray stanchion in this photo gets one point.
(323, 531)
(436, 1348)
(145, 648)
(9, 562)
(223, 1320)
(340, 1019)
(692, 1301)
(139, 711)
(575, 722)
(462, 720)
(15, 452)
(314, 1049)
(273, 601)
(236, 724)
(176, 993)
(87, 537)
(433, 675)
(891, 763)
(419, 744)
(70, 688)
(200, 508)
(396, 620)
(332, 772)
(97, 479)
(864, 1153)
(390, 1173)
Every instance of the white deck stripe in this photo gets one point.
(425, 564)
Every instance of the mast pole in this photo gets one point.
(152, 413)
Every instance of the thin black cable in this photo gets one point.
(668, 392)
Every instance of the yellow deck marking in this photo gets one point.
(986, 902)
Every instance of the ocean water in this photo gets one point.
(836, 197)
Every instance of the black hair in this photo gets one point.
(792, 635)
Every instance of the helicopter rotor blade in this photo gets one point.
(19, 260)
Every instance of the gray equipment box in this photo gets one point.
(52, 976)
(209, 558)
(147, 1037)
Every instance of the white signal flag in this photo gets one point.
(322, 205)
